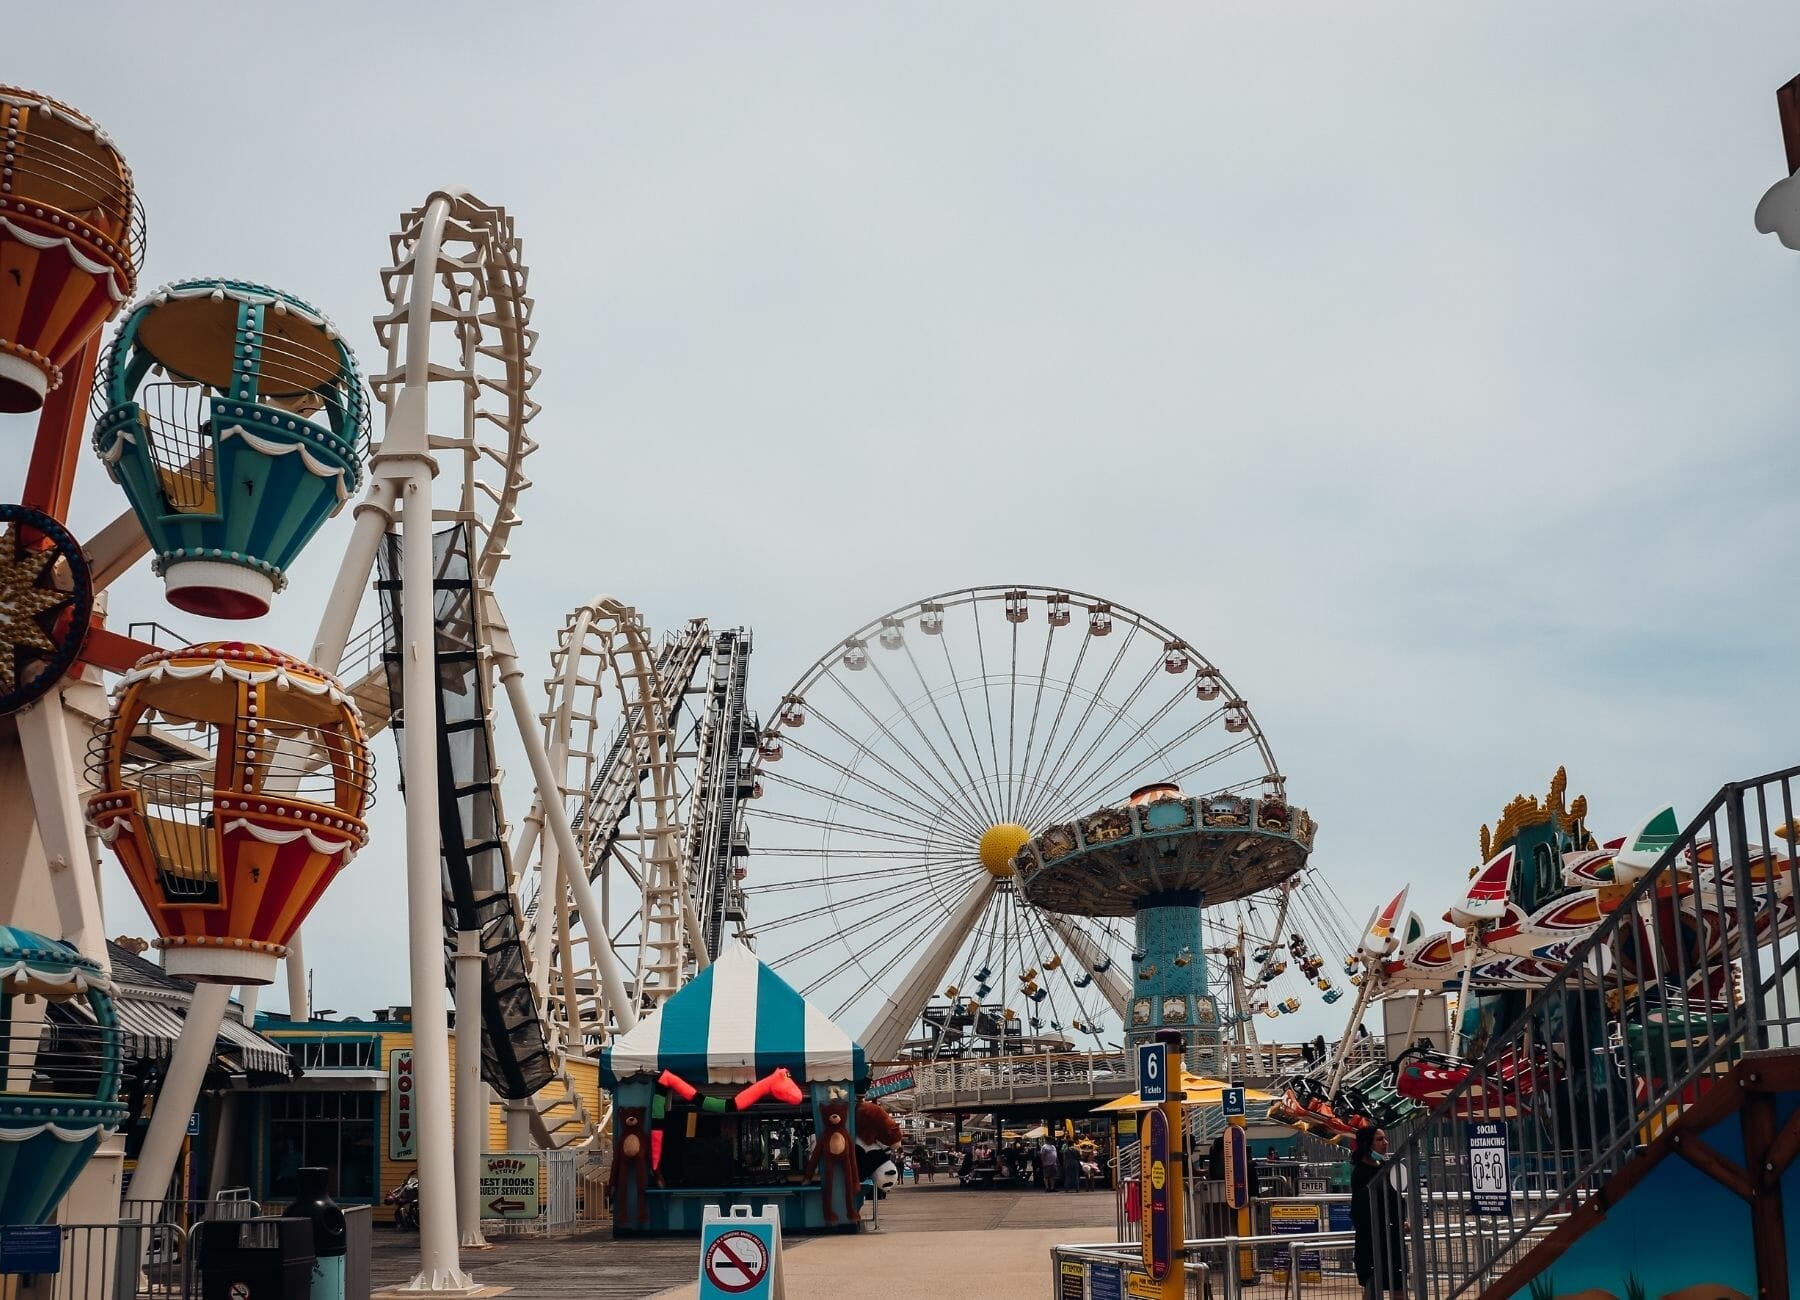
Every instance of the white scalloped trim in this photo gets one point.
(115, 453)
(220, 292)
(93, 268)
(269, 835)
(110, 832)
(79, 980)
(42, 103)
(316, 468)
(62, 1134)
(218, 670)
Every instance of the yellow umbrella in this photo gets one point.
(1199, 1090)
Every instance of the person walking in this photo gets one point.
(1047, 1163)
(1376, 1210)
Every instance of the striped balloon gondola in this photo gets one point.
(234, 417)
(232, 782)
(71, 240)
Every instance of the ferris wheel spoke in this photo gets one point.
(854, 828)
(1012, 720)
(987, 698)
(837, 908)
(804, 851)
(978, 788)
(1119, 712)
(920, 922)
(973, 813)
(1047, 784)
(1101, 778)
(856, 774)
(904, 943)
(820, 882)
(951, 798)
(783, 779)
(990, 792)
(1050, 944)
(860, 750)
(1021, 787)
(1219, 756)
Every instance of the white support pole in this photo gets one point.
(901, 1009)
(1462, 993)
(55, 799)
(1344, 1048)
(299, 1006)
(556, 818)
(1113, 985)
(180, 1089)
(471, 1094)
(374, 516)
(440, 1264)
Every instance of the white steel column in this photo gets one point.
(374, 516)
(56, 802)
(888, 1028)
(180, 1089)
(471, 1094)
(440, 1265)
(556, 817)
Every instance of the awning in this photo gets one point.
(734, 1023)
(149, 1030)
(1198, 1090)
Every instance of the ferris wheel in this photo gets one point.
(906, 767)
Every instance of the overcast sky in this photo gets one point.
(1419, 363)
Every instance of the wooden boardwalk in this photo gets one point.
(977, 1233)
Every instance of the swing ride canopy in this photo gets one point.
(736, 1022)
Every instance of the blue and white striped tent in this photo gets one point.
(736, 1022)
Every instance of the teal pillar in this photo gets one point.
(1169, 984)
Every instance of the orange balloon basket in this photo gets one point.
(232, 781)
(71, 241)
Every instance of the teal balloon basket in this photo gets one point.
(59, 1062)
(235, 419)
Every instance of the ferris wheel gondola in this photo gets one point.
(908, 766)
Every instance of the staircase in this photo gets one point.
(1681, 1009)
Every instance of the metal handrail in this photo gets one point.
(1665, 1011)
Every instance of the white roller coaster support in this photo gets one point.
(471, 1094)
(1113, 986)
(374, 516)
(556, 816)
(901, 1009)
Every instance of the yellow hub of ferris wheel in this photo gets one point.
(999, 844)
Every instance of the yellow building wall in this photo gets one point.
(584, 1074)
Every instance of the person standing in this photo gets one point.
(1071, 1168)
(1376, 1209)
(922, 1163)
(1047, 1163)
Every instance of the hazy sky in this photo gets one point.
(1420, 363)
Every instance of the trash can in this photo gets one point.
(266, 1258)
(315, 1205)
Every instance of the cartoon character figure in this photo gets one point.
(877, 1134)
(834, 1158)
(630, 1179)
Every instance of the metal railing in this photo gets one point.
(1696, 967)
(1097, 1075)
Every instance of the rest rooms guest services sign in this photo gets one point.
(509, 1185)
(403, 1136)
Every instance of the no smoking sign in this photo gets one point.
(736, 1261)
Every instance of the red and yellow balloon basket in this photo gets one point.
(71, 239)
(232, 784)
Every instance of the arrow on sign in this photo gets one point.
(502, 1206)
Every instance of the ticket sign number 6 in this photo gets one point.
(1153, 1083)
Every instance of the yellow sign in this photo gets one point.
(1158, 1175)
(1139, 1284)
